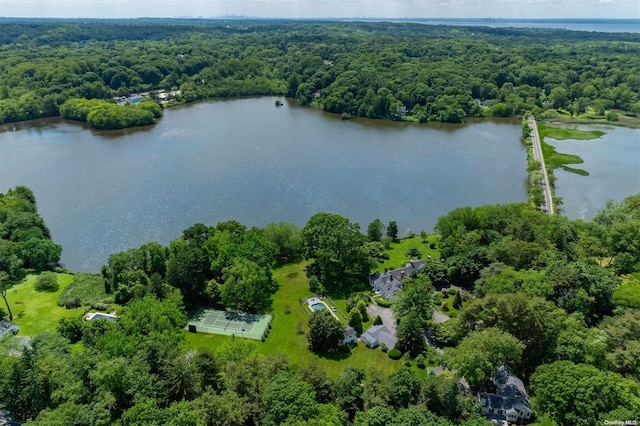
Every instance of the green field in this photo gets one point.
(35, 311)
(398, 251)
(628, 293)
(563, 134)
(284, 339)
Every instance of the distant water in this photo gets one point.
(245, 159)
(597, 25)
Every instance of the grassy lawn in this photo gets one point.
(562, 134)
(35, 311)
(285, 339)
(628, 293)
(398, 251)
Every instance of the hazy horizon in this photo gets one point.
(319, 9)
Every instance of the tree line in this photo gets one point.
(376, 70)
(539, 296)
(25, 240)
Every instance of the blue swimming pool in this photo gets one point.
(318, 306)
(101, 316)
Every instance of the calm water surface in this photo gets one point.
(613, 163)
(245, 159)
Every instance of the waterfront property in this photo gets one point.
(510, 403)
(389, 282)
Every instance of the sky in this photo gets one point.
(322, 8)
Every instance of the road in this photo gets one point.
(547, 207)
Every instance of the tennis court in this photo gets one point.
(212, 321)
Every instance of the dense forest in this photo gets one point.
(558, 300)
(377, 70)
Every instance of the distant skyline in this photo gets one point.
(522, 9)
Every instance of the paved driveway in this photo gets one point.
(388, 320)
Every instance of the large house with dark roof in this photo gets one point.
(389, 282)
(510, 403)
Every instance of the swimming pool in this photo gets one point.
(318, 306)
(96, 316)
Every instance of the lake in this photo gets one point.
(245, 159)
(613, 163)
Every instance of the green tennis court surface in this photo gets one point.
(251, 326)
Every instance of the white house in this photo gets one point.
(377, 335)
(350, 335)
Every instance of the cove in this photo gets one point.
(613, 163)
(245, 159)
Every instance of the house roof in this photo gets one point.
(6, 326)
(510, 391)
(349, 331)
(391, 281)
(379, 334)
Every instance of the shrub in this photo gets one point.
(100, 306)
(384, 303)
(71, 328)
(377, 320)
(406, 359)
(457, 301)
(385, 256)
(394, 354)
(410, 233)
(72, 303)
(437, 299)
(432, 246)
(444, 307)
(47, 281)
(315, 286)
(420, 361)
(414, 253)
(383, 347)
(452, 291)
(287, 309)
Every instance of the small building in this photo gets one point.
(8, 329)
(377, 335)
(510, 403)
(350, 335)
(389, 282)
